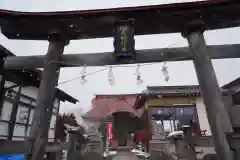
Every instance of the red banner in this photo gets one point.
(109, 133)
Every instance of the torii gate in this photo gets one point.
(191, 19)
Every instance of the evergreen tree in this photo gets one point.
(60, 129)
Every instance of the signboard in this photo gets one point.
(124, 43)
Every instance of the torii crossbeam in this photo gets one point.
(191, 19)
(107, 58)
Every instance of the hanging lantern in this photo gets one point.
(124, 43)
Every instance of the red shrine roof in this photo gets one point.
(153, 19)
(105, 105)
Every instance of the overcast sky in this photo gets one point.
(181, 73)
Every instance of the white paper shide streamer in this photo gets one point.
(165, 72)
(138, 74)
(83, 75)
(110, 76)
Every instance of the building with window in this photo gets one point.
(101, 112)
(175, 106)
(25, 112)
(168, 106)
(20, 93)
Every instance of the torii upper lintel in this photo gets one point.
(154, 19)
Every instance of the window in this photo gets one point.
(56, 103)
(173, 117)
(3, 129)
(53, 121)
(19, 130)
(31, 116)
(9, 93)
(6, 111)
(22, 115)
(55, 110)
(25, 100)
(34, 103)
